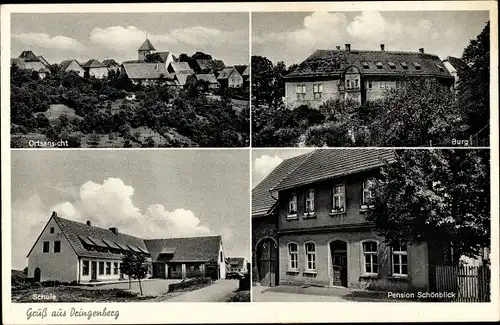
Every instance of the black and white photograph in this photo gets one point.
(129, 226)
(114, 80)
(371, 225)
(370, 78)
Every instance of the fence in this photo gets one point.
(468, 283)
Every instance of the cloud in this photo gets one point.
(106, 204)
(49, 42)
(121, 38)
(265, 164)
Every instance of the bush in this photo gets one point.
(188, 283)
(75, 140)
(125, 294)
(243, 296)
(330, 134)
(244, 283)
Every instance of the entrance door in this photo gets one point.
(267, 255)
(37, 275)
(159, 270)
(93, 271)
(338, 249)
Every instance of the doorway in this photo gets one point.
(267, 259)
(38, 275)
(338, 249)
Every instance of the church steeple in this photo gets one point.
(145, 49)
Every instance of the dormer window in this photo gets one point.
(379, 65)
(441, 68)
(404, 65)
(417, 66)
(365, 65)
(292, 207)
(309, 208)
(391, 65)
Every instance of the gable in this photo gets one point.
(45, 234)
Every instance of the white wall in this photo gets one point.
(98, 73)
(61, 266)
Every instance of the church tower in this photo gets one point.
(145, 49)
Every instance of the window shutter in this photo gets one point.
(320, 88)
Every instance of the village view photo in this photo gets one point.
(129, 80)
(139, 231)
(376, 79)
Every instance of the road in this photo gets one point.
(260, 294)
(219, 291)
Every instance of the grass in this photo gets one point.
(240, 296)
(74, 294)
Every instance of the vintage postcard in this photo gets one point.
(250, 162)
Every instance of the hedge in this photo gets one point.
(188, 283)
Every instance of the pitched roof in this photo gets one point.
(110, 62)
(236, 261)
(457, 63)
(182, 67)
(146, 71)
(76, 232)
(66, 63)
(208, 77)
(210, 65)
(262, 201)
(325, 164)
(147, 46)
(182, 77)
(93, 63)
(334, 62)
(189, 249)
(163, 56)
(28, 56)
(42, 59)
(224, 74)
(242, 69)
(18, 62)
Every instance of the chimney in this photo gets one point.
(54, 214)
(382, 47)
(421, 50)
(114, 230)
(348, 47)
(88, 223)
(338, 47)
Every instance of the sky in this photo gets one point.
(265, 160)
(293, 36)
(150, 194)
(82, 36)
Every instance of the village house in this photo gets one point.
(209, 66)
(27, 60)
(94, 68)
(230, 78)
(244, 70)
(209, 79)
(237, 264)
(147, 73)
(70, 251)
(72, 65)
(112, 65)
(358, 75)
(309, 227)
(454, 66)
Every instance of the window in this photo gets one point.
(348, 84)
(356, 83)
(369, 84)
(370, 257)
(379, 65)
(365, 65)
(101, 268)
(400, 260)
(338, 198)
(367, 191)
(310, 257)
(221, 257)
(108, 268)
(292, 205)
(391, 65)
(57, 246)
(293, 263)
(317, 90)
(85, 268)
(301, 92)
(51, 230)
(404, 65)
(417, 66)
(46, 247)
(116, 267)
(191, 268)
(310, 201)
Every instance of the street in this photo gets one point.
(219, 291)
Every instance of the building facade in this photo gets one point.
(230, 78)
(72, 65)
(358, 75)
(70, 251)
(237, 264)
(316, 232)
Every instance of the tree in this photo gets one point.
(212, 269)
(473, 87)
(134, 266)
(435, 195)
(201, 56)
(279, 73)
(262, 81)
